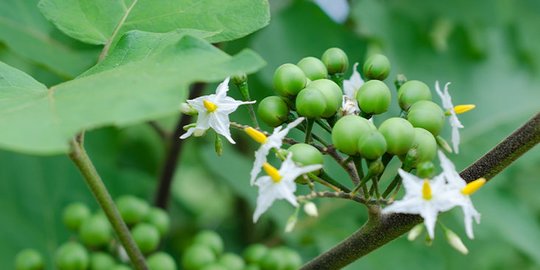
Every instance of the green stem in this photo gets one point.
(332, 181)
(324, 125)
(309, 127)
(81, 159)
(323, 182)
(392, 185)
(244, 91)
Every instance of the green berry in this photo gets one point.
(120, 267)
(232, 261)
(335, 60)
(197, 256)
(273, 260)
(74, 215)
(332, 94)
(372, 145)
(161, 261)
(101, 261)
(376, 67)
(214, 266)
(310, 103)
(254, 253)
(348, 130)
(425, 145)
(306, 154)
(292, 261)
(289, 80)
(29, 259)
(399, 135)
(210, 239)
(427, 115)
(160, 219)
(412, 92)
(373, 97)
(132, 209)
(273, 111)
(95, 231)
(71, 256)
(146, 236)
(313, 68)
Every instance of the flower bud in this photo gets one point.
(415, 232)
(455, 241)
(187, 109)
(239, 79)
(311, 209)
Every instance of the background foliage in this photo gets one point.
(487, 49)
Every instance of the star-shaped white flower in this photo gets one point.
(349, 104)
(267, 143)
(279, 184)
(423, 197)
(453, 111)
(460, 192)
(214, 112)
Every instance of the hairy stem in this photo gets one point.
(81, 159)
(390, 226)
(169, 168)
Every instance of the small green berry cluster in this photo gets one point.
(207, 253)
(94, 247)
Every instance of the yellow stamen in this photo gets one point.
(473, 186)
(426, 191)
(256, 135)
(272, 172)
(209, 105)
(459, 109)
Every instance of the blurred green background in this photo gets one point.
(487, 49)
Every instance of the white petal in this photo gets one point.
(430, 218)
(220, 123)
(223, 88)
(351, 86)
(260, 159)
(405, 206)
(188, 133)
(337, 10)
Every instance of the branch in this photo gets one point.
(174, 150)
(376, 234)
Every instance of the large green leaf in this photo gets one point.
(145, 78)
(25, 31)
(100, 21)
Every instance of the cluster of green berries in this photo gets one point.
(313, 89)
(94, 247)
(207, 253)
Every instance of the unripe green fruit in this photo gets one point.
(305, 154)
(290, 258)
(372, 145)
(159, 218)
(254, 253)
(71, 256)
(95, 231)
(273, 111)
(29, 259)
(348, 130)
(335, 60)
(273, 260)
(210, 239)
(412, 92)
(310, 103)
(376, 67)
(232, 261)
(132, 209)
(120, 267)
(425, 169)
(427, 115)
(399, 135)
(161, 261)
(289, 80)
(332, 94)
(373, 97)
(425, 145)
(101, 261)
(197, 256)
(146, 236)
(214, 266)
(313, 68)
(74, 215)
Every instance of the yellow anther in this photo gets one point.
(426, 191)
(459, 109)
(256, 135)
(473, 186)
(272, 172)
(209, 105)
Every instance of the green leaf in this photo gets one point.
(103, 21)
(145, 78)
(25, 31)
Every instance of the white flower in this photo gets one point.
(337, 10)
(349, 104)
(454, 121)
(279, 184)
(423, 197)
(461, 191)
(267, 143)
(214, 112)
